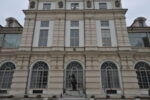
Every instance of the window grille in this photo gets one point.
(143, 74)
(106, 37)
(46, 6)
(104, 23)
(6, 75)
(74, 23)
(102, 5)
(43, 38)
(76, 69)
(110, 78)
(44, 23)
(74, 37)
(39, 75)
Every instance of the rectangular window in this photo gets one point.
(74, 37)
(74, 24)
(46, 6)
(11, 40)
(74, 6)
(106, 37)
(43, 38)
(102, 5)
(104, 23)
(44, 23)
(139, 39)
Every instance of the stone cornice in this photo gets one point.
(102, 51)
(138, 29)
(11, 30)
(87, 11)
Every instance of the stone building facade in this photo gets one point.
(85, 38)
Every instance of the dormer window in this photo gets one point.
(46, 6)
(141, 24)
(102, 5)
(10, 23)
(74, 6)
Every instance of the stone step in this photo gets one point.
(73, 99)
(74, 93)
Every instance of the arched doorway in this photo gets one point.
(76, 69)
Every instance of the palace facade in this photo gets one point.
(85, 38)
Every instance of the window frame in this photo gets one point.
(17, 37)
(76, 39)
(31, 73)
(101, 7)
(74, 6)
(104, 43)
(11, 71)
(146, 71)
(44, 24)
(74, 23)
(41, 44)
(47, 6)
(104, 77)
(138, 38)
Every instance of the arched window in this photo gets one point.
(32, 4)
(110, 78)
(143, 74)
(6, 75)
(76, 69)
(39, 75)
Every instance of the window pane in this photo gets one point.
(102, 5)
(74, 37)
(110, 77)
(43, 38)
(46, 6)
(44, 23)
(1, 39)
(143, 74)
(6, 75)
(74, 5)
(74, 23)
(104, 23)
(11, 40)
(139, 39)
(106, 37)
(74, 68)
(39, 76)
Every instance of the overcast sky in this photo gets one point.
(13, 8)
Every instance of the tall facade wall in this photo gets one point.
(90, 53)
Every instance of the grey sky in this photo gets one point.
(13, 8)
